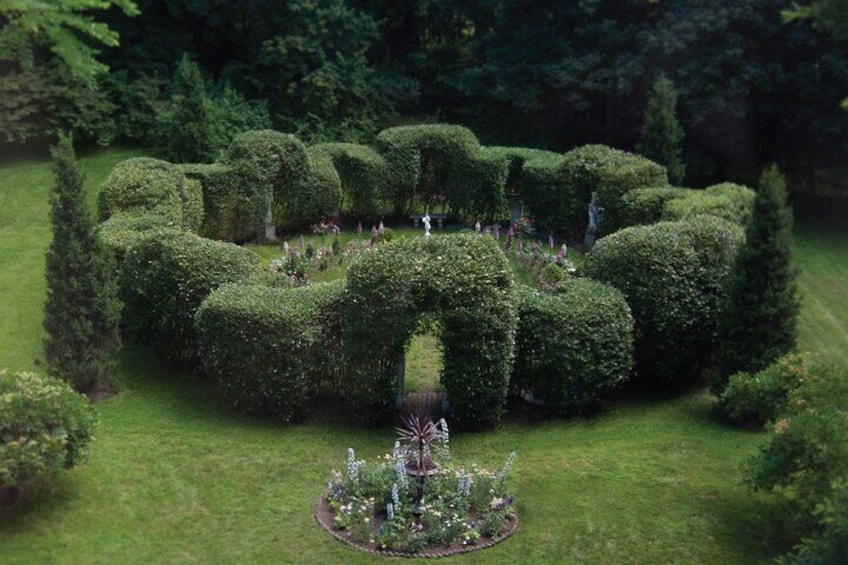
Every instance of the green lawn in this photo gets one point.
(177, 477)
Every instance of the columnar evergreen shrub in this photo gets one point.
(573, 348)
(271, 349)
(150, 186)
(364, 179)
(187, 124)
(82, 310)
(646, 205)
(46, 426)
(165, 278)
(464, 281)
(673, 275)
(761, 317)
(612, 174)
(662, 133)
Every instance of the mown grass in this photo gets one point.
(177, 477)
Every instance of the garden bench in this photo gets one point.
(440, 219)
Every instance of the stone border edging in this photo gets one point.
(322, 507)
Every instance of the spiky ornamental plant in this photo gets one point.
(760, 319)
(662, 133)
(82, 309)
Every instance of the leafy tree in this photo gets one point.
(662, 132)
(831, 15)
(186, 126)
(82, 309)
(65, 27)
(762, 310)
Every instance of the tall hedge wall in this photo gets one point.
(673, 276)
(364, 179)
(272, 350)
(545, 194)
(232, 207)
(573, 348)
(164, 279)
(465, 281)
(149, 186)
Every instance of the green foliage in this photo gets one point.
(45, 427)
(673, 275)
(761, 316)
(573, 348)
(364, 179)
(763, 396)
(82, 310)
(124, 229)
(320, 198)
(186, 126)
(272, 350)
(662, 133)
(545, 193)
(149, 186)
(732, 202)
(646, 205)
(230, 207)
(808, 449)
(829, 544)
(463, 280)
(165, 278)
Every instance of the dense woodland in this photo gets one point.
(752, 88)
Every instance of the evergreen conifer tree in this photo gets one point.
(82, 309)
(762, 310)
(187, 127)
(662, 133)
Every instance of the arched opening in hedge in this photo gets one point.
(465, 282)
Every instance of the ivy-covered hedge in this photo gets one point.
(44, 426)
(728, 201)
(272, 350)
(364, 179)
(164, 279)
(673, 275)
(143, 185)
(466, 282)
(573, 348)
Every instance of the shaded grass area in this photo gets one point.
(176, 476)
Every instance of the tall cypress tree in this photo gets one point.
(760, 321)
(188, 128)
(82, 309)
(662, 133)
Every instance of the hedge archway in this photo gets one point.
(466, 282)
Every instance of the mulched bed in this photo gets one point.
(325, 517)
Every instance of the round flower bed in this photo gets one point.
(393, 509)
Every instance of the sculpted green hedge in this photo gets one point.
(272, 350)
(732, 202)
(573, 348)
(363, 174)
(466, 282)
(673, 275)
(164, 279)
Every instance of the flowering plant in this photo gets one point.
(382, 505)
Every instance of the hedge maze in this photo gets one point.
(200, 299)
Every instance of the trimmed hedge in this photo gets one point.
(272, 350)
(232, 207)
(612, 174)
(44, 426)
(545, 194)
(731, 202)
(322, 197)
(149, 186)
(573, 348)
(124, 229)
(465, 281)
(165, 278)
(364, 179)
(674, 276)
(646, 205)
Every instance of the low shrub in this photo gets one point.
(44, 426)
(674, 276)
(572, 348)
(829, 542)
(165, 278)
(272, 350)
(762, 397)
(143, 185)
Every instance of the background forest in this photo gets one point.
(752, 88)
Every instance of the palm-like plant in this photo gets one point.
(419, 432)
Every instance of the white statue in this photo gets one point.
(426, 220)
(593, 213)
(477, 227)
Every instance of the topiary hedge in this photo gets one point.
(673, 275)
(573, 348)
(272, 350)
(364, 179)
(164, 279)
(143, 185)
(231, 207)
(466, 282)
(124, 229)
(545, 194)
(44, 426)
(646, 205)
